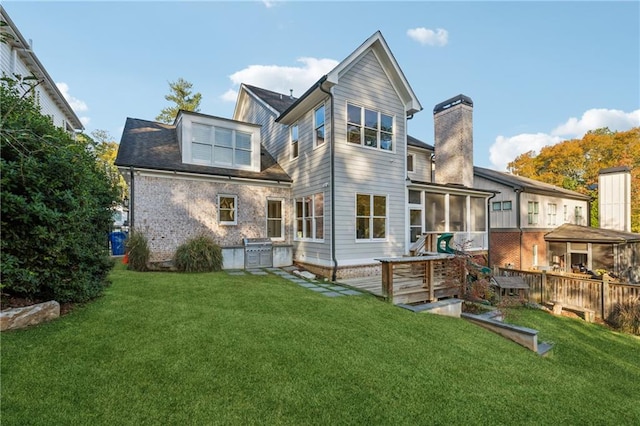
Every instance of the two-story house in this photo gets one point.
(18, 60)
(331, 177)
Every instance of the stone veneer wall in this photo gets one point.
(169, 211)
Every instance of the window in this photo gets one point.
(410, 162)
(434, 212)
(415, 197)
(293, 132)
(371, 217)
(506, 205)
(496, 206)
(318, 125)
(566, 213)
(219, 145)
(310, 217)
(478, 214)
(457, 213)
(533, 213)
(227, 209)
(551, 213)
(415, 224)
(369, 128)
(578, 214)
(275, 222)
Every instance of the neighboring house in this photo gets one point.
(522, 212)
(575, 248)
(17, 60)
(331, 174)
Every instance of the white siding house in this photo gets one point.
(18, 60)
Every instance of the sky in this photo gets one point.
(537, 72)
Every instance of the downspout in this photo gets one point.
(131, 198)
(334, 273)
(489, 230)
(519, 224)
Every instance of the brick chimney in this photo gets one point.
(453, 128)
(614, 198)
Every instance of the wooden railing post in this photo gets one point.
(605, 295)
(543, 286)
(387, 281)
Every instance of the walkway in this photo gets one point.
(328, 288)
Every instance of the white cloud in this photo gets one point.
(282, 78)
(593, 119)
(85, 121)
(506, 149)
(77, 104)
(270, 3)
(229, 96)
(439, 37)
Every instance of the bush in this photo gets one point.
(626, 317)
(200, 254)
(137, 251)
(55, 210)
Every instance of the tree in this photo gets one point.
(181, 96)
(575, 164)
(106, 150)
(56, 207)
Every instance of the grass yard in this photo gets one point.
(162, 348)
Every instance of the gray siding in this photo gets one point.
(365, 170)
(421, 164)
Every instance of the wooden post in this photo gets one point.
(387, 281)
(605, 295)
(429, 271)
(543, 286)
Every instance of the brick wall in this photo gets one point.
(505, 248)
(169, 211)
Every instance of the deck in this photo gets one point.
(412, 279)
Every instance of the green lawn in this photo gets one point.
(162, 348)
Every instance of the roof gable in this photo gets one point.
(376, 44)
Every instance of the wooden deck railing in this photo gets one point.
(601, 296)
(420, 278)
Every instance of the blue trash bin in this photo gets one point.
(117, 242)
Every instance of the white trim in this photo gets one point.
(282, 219)
(313, 218)
(371, 217)
(363, 127)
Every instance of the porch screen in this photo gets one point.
(434, 212)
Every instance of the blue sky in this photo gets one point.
(538, 72)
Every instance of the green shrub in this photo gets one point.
(199, 254)
(55, 209)
(626, 316)
(137, 251)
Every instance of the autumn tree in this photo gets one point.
(575, 164)
(106, 149)
(182, 98)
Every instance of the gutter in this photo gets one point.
(519, 223)
(333, 185)
(489, 229)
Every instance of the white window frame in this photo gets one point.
(316, 126)
(379, 131)
(281, 219)
(294, 142)
(371, 218)
(552, 213)
(300, 234)
(235, 210)
(533, 210)
(211, 141)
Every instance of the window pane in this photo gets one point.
(379, 205)
(371, 119)
(414, 197)
(370, 138)
(243, 158)
(294, 150)
(320, 116)
(434, 212)
(478, 215)
(298, 209)
(386, 123)
(201, 152)
(353, 114)
(201, 133)
(319, 228)
(318, 204)
(223, 137)
(223, 155)
(363, 205)
(496, 206)
(274, 209)
(294, 132)
(415, 217)
(385, 141)
(243, 140)
(457, 213)
(362, 228)
(320, 135)
(410, 163)
(353, 134)
(506, 205)
(274, 229)
(379, 227)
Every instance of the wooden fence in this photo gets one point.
(601, 296)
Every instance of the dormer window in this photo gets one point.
(217, 142)
(369, 128)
